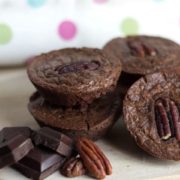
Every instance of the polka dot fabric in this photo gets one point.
(5, 34)
(36, 3)
(100, 1)
(67, 30)
(129, 26)
(44, 25)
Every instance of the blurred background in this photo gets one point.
(30, 27)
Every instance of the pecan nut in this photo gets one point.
(93, 158)
(167, 118)
(140, 49)
(73, 167)
(77, 67)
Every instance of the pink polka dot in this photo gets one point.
(100, 1)
(67, 30)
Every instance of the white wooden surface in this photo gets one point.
(128, 161)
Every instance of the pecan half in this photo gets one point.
(73, 167)
(167, 118)
(77, 67)
(93, 158)
(140, 49)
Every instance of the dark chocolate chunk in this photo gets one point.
(39, 163)
(14, 149)
(54, 140)
(1, 136)
(9, 132)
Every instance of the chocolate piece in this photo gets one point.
(141, 55)
(152, 114)
(93, 122)
(73, 76)
(14, 149)
(54, 140)
(39, 163)
(9, 132)
(1, 136)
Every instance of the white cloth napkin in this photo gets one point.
(30, 27)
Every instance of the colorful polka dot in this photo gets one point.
(36, 3)
(100, 1)
(129, 26)
(67, 30)
(5, 34)
(158, 0)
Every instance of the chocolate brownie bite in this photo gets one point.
(152, 114)
(141, 55)
(92, 122)
(74, 76)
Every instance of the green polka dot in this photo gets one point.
(5, 34)
(129, 26)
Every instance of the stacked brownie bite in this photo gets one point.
(77, 91)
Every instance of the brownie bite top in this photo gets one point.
(144, 54)
(74, 74)
(152, 114)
